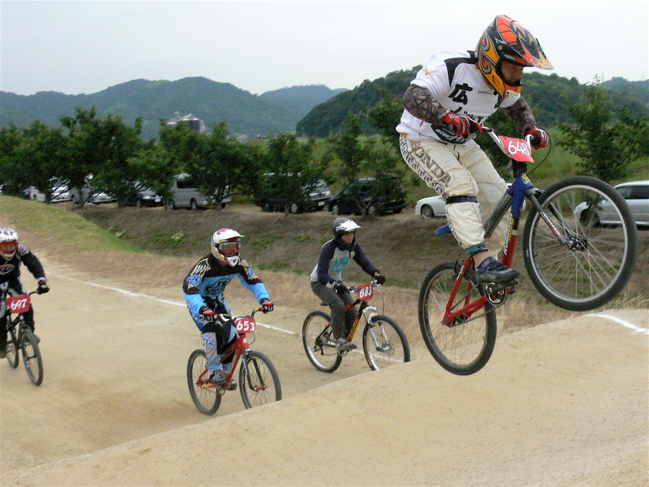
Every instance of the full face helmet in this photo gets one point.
(341, 226)
(226, 244)
(507, 40)
(8, 242)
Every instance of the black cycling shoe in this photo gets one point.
(490, 270)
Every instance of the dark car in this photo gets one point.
(144, 197)
(272, 196)
(369, 196)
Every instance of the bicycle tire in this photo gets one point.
(318, 342)
(259, 380)
(206, 397)
(13, 353)
(598, 260)
(387, 347)
(464, 347)
(32, 358)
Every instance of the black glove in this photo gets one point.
(42, 287)
(207, 312)
(267, 305)
(380, 279)
(339, 287)
(461, 124)
(540, 138)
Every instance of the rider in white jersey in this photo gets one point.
(445, 105)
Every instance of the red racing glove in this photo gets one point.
(540, 138)
(461, 124)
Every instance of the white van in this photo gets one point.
(183, 194)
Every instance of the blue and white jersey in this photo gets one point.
(333, 260)
(456, 84)
(205, 283)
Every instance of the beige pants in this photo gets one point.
(461, 170)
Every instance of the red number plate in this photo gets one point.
(19, 304)
(519, 149)
(245, 324)
(365, 292)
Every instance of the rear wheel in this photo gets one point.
(427, 212)
(259, 381)
(319, 345)
(171, 204)
(464, 346)
(204, 393)
(384, 343)
(597, 258)
(32, 356)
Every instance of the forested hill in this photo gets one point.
(212, 102)
(547, 94)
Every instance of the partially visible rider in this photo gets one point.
(14, 254)
(203, 290)
(445, 106)
(326, 278)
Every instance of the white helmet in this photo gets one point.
(8, 242)
(226, 246)
(341, 226)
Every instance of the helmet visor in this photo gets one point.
(229, 248)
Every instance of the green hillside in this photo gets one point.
(547, 94)
(212, 102)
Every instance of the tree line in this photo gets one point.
(121, 162)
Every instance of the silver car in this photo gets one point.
(636, 194)
(431, 207)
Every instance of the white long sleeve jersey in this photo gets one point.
(458, 85)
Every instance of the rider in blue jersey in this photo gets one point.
(326, 278)
(203, 290)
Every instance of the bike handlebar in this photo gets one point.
(353, 289)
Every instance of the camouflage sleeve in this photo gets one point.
(420, 103)
(521, 114)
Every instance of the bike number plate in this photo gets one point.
(245, 324)
(518, 149)
(19, 304)
(365, 292)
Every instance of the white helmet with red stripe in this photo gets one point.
(226, 244)
(8, 242)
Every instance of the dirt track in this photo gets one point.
(560, 404)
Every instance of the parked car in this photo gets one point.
(272, 197)
(636, 194)
(184, 194)
(144, 197)
(90, 196)
(435, 206)
(431, 207)
(364, 193)
(60, 193)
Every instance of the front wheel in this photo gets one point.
(319, 345)
(13, 354)
(259, 381)
(597, 258)
(32, 356)
(205, 394)
(384, 343)
(465, 345)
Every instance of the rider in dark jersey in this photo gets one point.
(326, 278)
(13, 254)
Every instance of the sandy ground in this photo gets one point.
(565, 403)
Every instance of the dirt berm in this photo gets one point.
(564, 403)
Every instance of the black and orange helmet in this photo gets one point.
(507, 40)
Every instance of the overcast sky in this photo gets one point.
(87, 46)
